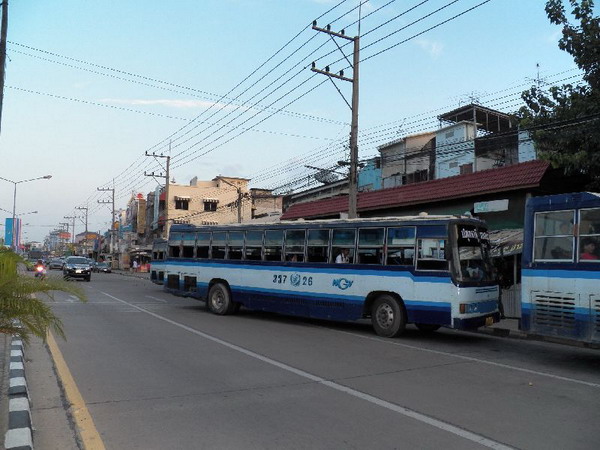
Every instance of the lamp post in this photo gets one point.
(14, 215)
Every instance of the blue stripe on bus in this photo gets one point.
(425, 277)
(542, 273)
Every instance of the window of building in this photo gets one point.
(210, 206)
(318, 245)
(401, 246)
(370, 245)
(182, 203)
(466, 169)
(553, 236)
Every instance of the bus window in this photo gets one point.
(254, 240)
(318, 245)
(294, 245)
(401, 246)
(553, 238)
(219, 242)
(370, 245)
(189, 241)
(236, 245)
(472, 249)
(432, 254)
(175, 245)
(343, 239)
(273, 245)
(202, 245)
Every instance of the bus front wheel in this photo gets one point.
(387, 316)
(219, 300)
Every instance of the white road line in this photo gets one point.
(482, 440)
(477, 360)
(157, 299)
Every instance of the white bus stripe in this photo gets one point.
(482, 440)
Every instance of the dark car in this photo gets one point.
(102, 267)
(77, 267)
(56, 263)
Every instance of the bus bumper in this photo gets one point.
(476, 322)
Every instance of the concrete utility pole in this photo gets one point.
(166, 177)
(85, 208)
(72, 227)
(112, 223)
(3, 34)
(239, 199)
(353, 181)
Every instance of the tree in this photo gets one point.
(21, 313)
(565, 120)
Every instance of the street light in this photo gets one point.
(14, 215)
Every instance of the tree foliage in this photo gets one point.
(565, 120)
(21, 313)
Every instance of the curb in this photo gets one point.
(20, 434)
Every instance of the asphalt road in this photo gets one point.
(158, 371)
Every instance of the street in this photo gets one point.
(158, 371)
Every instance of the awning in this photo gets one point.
(506, 242)
(211, 200)
(182, 197)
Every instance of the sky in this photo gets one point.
(226, 84)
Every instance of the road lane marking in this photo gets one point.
(477, 360)
(157, 299)
(87, 431)
(479, 439)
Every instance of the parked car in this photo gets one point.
(77, 267)
(56, 263)
(102, 267)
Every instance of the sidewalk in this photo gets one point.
(128, 273)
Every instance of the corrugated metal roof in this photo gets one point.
(518, 176)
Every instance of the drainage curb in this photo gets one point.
(19, 435)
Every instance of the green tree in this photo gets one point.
(565, 120)
(21, 313)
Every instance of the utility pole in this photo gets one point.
(239, 199)
(166, 177)
(72, 228)
(85, 208)
(353, 181)
(3, 34)
(112, 222)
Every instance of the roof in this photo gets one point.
(519, 176)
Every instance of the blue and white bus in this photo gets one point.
(430, 271)
(158, 261)
(560, 291)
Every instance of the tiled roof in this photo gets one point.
(519, 176)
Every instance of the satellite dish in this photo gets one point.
(326, 177)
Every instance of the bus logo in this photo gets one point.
(342, 283)
(295, 279)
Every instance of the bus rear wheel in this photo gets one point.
(387, 316)
(219, 300)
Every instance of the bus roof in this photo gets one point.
(317, 223)
(561, 201)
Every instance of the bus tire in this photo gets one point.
(219, 300)
(387, 316)
(427, 327)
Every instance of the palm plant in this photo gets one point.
(21, 312)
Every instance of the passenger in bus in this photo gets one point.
(343, 257)
(588, 246)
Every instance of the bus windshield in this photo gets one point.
(471, 261)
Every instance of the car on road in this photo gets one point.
(102, 267)
(56, 263)
(77, 267)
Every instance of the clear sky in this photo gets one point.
(91, 86)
